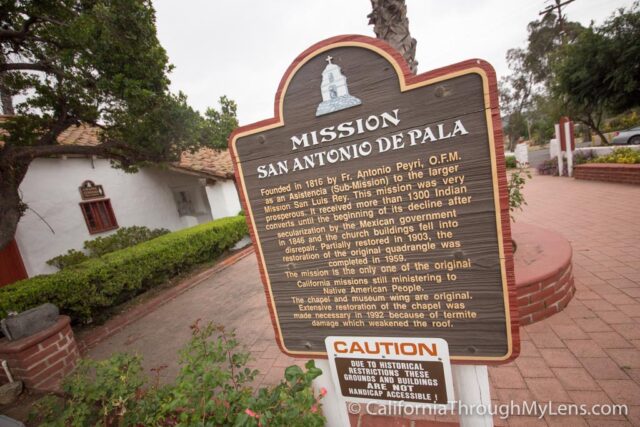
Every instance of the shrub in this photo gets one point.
(620, 155)
(212, 389)
(550, 167)
(71, 258)
(123, 238)
(85, 291)
(97, 393)
(515, 186)
(583, 156)
(511, 162)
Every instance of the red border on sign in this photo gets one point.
(409, 79)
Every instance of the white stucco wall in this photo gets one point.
(51, 189)
(603, 151)
(223, 199)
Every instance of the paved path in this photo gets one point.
(589, 353)
(537, 157)
(233, 298)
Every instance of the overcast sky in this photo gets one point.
(241, 48)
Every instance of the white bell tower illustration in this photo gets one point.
(335, 93)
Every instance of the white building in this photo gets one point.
(73, 199)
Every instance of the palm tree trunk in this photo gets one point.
(390, 23)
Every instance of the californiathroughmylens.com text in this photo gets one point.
(437, 132)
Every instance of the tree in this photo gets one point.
(577, 81)
(390, 23)
(525, 88)
(515, 95)
(600, 72)
(546, 37)
(218, 125)
(544, 113)
(622, 32)
(89, 61)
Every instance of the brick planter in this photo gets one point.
(543, 270)
(43, 359)
(609, 172)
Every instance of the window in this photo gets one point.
(99, 216)
(184, 203)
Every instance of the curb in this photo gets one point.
(94, 336)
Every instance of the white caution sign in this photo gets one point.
(369, 369)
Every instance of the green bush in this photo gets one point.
(123, 238)
(85, 291)
(71, 258)
(211, 389)
(583, 156)
(619, 155)
(515, 186)
(511, 162)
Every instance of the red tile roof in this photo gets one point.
(80, 135)
(213, 162)
(208, 161)
(83, 134)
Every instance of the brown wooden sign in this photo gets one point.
(88, 191)
(377, 203)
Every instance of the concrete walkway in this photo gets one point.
(587, 354)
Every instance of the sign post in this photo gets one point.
(333, 404)
(569, 144)
(471, 382)
(377, 203)
(560, 153)
(565, 136)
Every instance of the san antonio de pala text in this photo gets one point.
(435, 133)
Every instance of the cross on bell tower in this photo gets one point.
(329, 59)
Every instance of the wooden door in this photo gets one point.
(11, 265)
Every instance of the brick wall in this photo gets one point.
(544, 274)
(542, 299)
(609, 172)
(43, 359)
